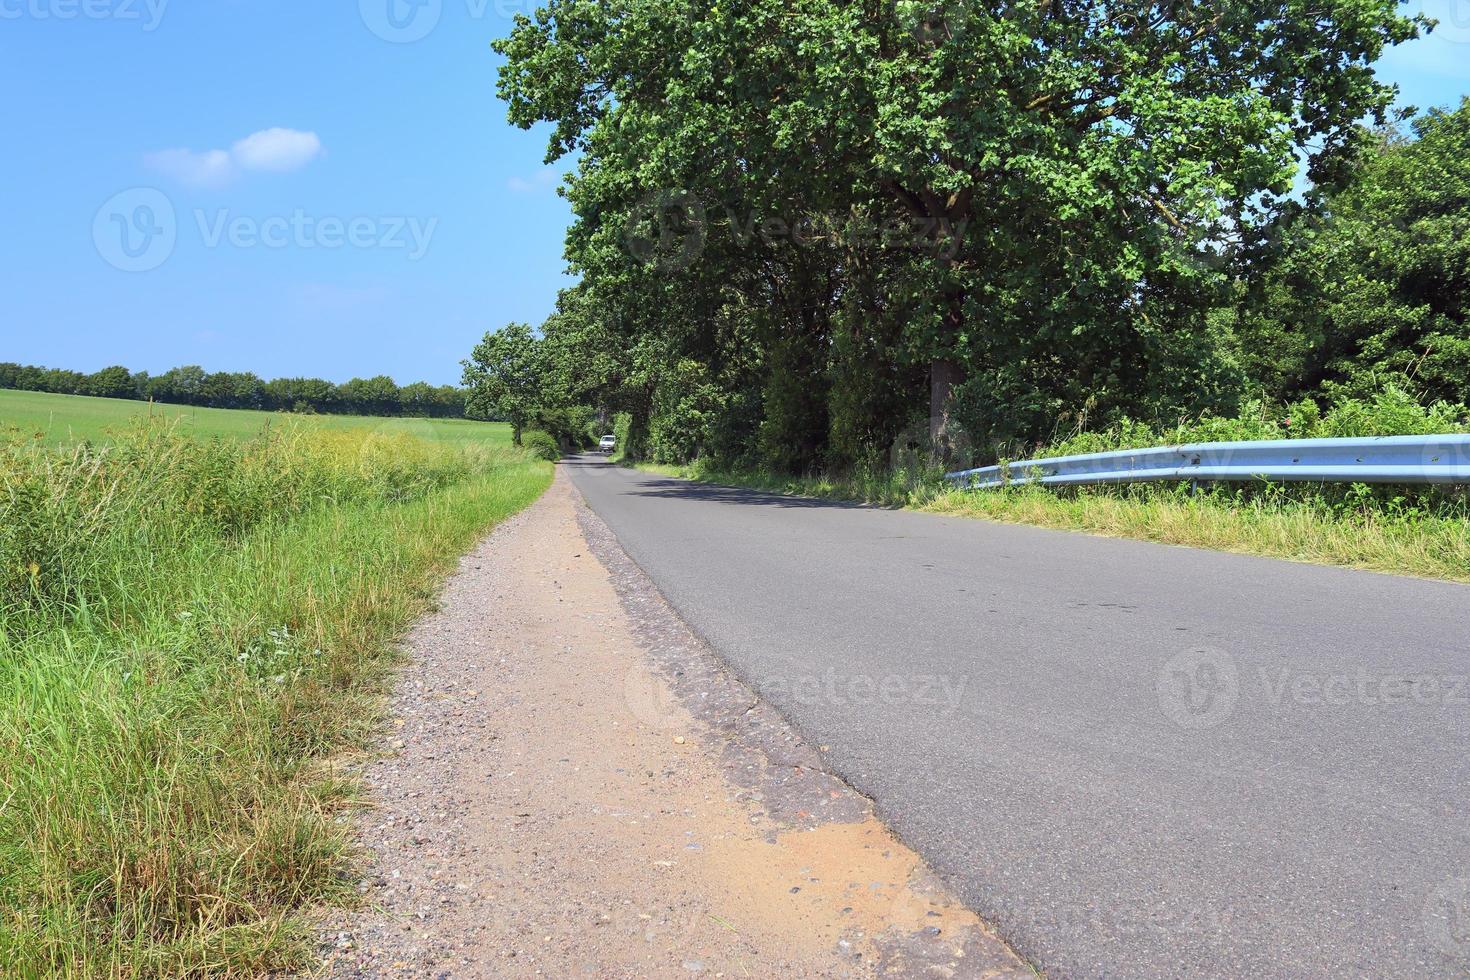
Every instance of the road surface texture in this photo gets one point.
(555, 801)
(1134, 760)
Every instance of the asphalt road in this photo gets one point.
(1135, 760)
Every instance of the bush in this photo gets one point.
(542, 445)
(1391, 412)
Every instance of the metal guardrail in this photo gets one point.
(1385, 459)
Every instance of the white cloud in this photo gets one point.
(542, 180)
(272, 150)
(277, 150)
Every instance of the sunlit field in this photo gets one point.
(63, 419)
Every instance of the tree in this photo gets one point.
(371, 396)
(1374, 287)
(419, 399)
(504, 376)
(111, 382)
(180, 385)
(192, 385)
(1059, 174)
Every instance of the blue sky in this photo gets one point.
(312, 187)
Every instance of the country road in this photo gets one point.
(1134, 760)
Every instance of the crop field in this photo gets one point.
(193, 631)
(63, 419)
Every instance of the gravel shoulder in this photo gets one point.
(572, 784)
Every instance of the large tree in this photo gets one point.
(1055, 176)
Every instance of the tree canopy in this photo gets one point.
(1375, 285)
(816, 233)
(192, 385)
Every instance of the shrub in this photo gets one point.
(542, 445)
(1390, 412)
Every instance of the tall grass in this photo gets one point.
(1357, 527)
(190, 631)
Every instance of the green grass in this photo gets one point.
(65, 419)
(193, 632)
(1426, 535)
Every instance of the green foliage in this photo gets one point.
(504, 376)
(687, 409)
(50, 518)
(533, 380)
(631, 441)
(1390, 412)
(793, 228)
(542, 445)
(569, 426)
(1374, 286)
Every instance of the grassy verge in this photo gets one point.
(1357, 528)
(191, 632)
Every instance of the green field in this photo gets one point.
(64, 419)
(193, 631)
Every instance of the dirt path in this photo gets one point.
(574, 786)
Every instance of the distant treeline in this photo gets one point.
(192, 385)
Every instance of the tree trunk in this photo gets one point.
(515, 433)
(944, 374)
